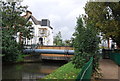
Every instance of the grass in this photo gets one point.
(66, 71)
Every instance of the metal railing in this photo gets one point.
(86, 72)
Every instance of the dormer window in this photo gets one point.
(45, 22)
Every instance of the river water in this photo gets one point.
(29, 71)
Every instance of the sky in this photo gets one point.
(61, 13)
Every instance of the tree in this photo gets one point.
(86, 44)
(106, 17)
(68, 42)
(10, 48)
(58, 39)
(12, 23)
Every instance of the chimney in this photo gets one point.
(28, 14)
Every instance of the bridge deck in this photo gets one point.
(56, 56)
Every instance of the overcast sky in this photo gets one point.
(61, 13)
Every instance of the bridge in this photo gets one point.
(51, 52)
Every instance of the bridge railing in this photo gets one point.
(86, 72)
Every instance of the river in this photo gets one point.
(29, 71)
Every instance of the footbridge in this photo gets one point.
(51, 52)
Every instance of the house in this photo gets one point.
(107, 43)
(42, 31)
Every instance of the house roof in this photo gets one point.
(36, 22)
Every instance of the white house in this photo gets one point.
(42, 31)
(107, 44)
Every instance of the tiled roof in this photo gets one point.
(36, 22)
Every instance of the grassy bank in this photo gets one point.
(67, 71)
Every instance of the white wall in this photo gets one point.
(49, 39)
(35, 40)
(46, 40)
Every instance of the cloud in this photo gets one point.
(66, 32)
(62, 14)
(75, 13)
(54, 18)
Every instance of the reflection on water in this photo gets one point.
(29, 70)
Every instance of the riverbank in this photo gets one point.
(66, 71)
(30, 71)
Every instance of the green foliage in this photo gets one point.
(58, 39)
(10, 48)
(12, 23)
(59, 42)
(68, 42)
(106, 17)
(86, 44)
(21, 58)
(67, 71)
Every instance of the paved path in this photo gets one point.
(110, 71)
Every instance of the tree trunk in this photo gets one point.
(21, 40)
(108, 43)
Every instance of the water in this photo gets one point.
(29, 70)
